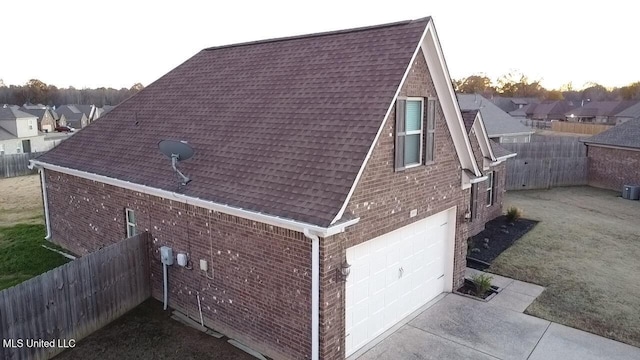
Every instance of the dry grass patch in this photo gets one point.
(586, 251)
(21, 201)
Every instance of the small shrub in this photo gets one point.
(513, 214)
(482, 283)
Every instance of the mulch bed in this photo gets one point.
(497, 236)
(468, 288)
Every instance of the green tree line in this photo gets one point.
(515, 84)
(38, 92)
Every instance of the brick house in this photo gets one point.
(313, 155)
(487, 197)
(613, 156)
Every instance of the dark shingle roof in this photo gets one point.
(633, 111)
(35, 112)
(280, 127)
(469, 117)
(626, 135)
(602, 108)
(12, 113)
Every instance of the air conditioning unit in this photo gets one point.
(631, 192)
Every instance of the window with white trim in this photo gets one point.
(491, 188)
(415, 137)
(1, 149)
(30, 123)
(132, 228)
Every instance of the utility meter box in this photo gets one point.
(166, 255)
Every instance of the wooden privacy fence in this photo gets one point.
(543, 165)
(537, 124)
(74, 300)
(16, 164)
(579, 128)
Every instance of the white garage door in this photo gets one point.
(393, 275)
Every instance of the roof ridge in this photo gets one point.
(311, 35)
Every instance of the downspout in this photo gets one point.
(315, 293)
(45, 200)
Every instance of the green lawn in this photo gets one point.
(586, 252)
(22, 256)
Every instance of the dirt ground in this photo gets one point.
(586, 251)
(21, 201)
(148, 332)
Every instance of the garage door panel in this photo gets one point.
(392, 276)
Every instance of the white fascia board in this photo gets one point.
(611, 146)
(478, 179)
(485, 145)
(206, 204)
(502, 159)
(442, 81)
(375, 140)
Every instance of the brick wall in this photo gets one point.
(261, 287)
(260, 293)
(613, 168)
(383, 199)
(486, 213)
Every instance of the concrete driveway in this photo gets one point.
(456, 327)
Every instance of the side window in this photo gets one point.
(473, 206)
(409, 127)
(132, 228)
(491, 188)
(415, 137)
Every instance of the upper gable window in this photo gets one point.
(414, 137)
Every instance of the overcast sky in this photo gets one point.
(117, 43)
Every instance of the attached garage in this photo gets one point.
(395, 274)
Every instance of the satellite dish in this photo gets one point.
(176, 151)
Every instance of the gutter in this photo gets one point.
(45, 198)
(478, 179)
(226, 209)
(503, 159)
(315, 294)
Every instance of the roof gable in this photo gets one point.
(497, 122)
(279, 127)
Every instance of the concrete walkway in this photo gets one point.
(457, 327)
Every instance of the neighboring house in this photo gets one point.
(599, 112)
(315, 158)
(73, 116)
(614, 156)
(106, 109)
(630, 113)
(501, 127)
(92, 112)
(509, 104)
(19, 132)
(486, 198)
(547, 110)
(46, 120)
